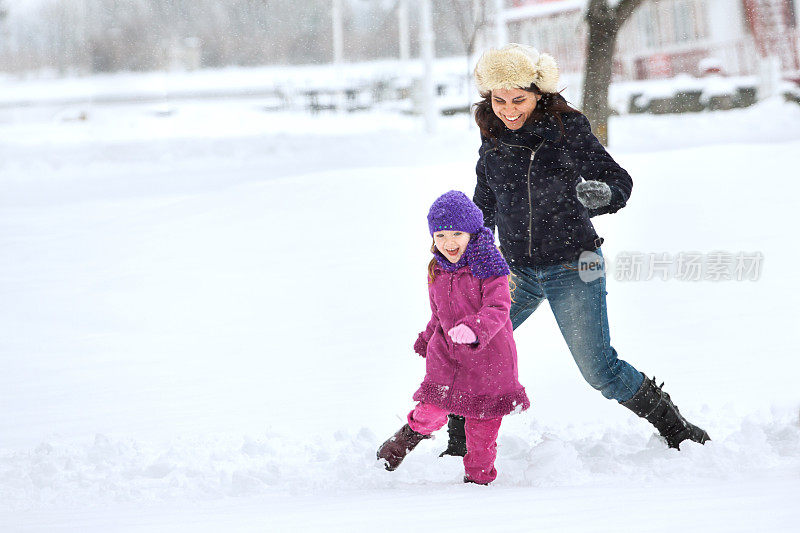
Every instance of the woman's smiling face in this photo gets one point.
(451, 244)
(513, 106)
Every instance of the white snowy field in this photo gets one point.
(206, 320)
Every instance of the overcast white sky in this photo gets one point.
(17, 6)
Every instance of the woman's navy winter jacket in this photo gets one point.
(526, 186)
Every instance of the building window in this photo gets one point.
(684, 21)
(648, 25)
(791, 13)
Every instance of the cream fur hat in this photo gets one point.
(516, 66)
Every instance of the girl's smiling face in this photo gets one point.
(451, 244)
(513, 106)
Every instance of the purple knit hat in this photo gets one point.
(454, 211)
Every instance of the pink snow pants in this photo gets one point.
(481, 439)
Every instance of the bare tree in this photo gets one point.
(604, 22)
(3, 15)
(112, 35)
(470, 17)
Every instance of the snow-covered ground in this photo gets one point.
(206, 319)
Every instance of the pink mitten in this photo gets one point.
(462, 334)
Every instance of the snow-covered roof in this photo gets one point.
(542, 10)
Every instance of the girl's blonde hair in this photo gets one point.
(432, 264)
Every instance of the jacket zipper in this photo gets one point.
(457, 366)
(530, 192)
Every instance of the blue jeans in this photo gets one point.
(580, 310)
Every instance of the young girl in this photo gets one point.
(471, 358)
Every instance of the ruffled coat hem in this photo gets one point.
(471, 405)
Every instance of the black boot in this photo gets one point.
(655, 406)
(457, 437)
(394, 450)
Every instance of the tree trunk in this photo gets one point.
(604, 24)
(597, 75)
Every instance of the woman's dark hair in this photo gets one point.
(550, 104)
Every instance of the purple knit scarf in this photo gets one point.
(483, 258)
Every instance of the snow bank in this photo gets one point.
(107, 470)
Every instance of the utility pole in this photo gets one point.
(402, 23)
(338, 47)
(500, 31)
(338, 51)
(429, 108)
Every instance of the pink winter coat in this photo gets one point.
(473, 380)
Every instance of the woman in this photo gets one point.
(535, 154)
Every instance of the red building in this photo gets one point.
(667, 37)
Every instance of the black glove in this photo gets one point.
(593, 194)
